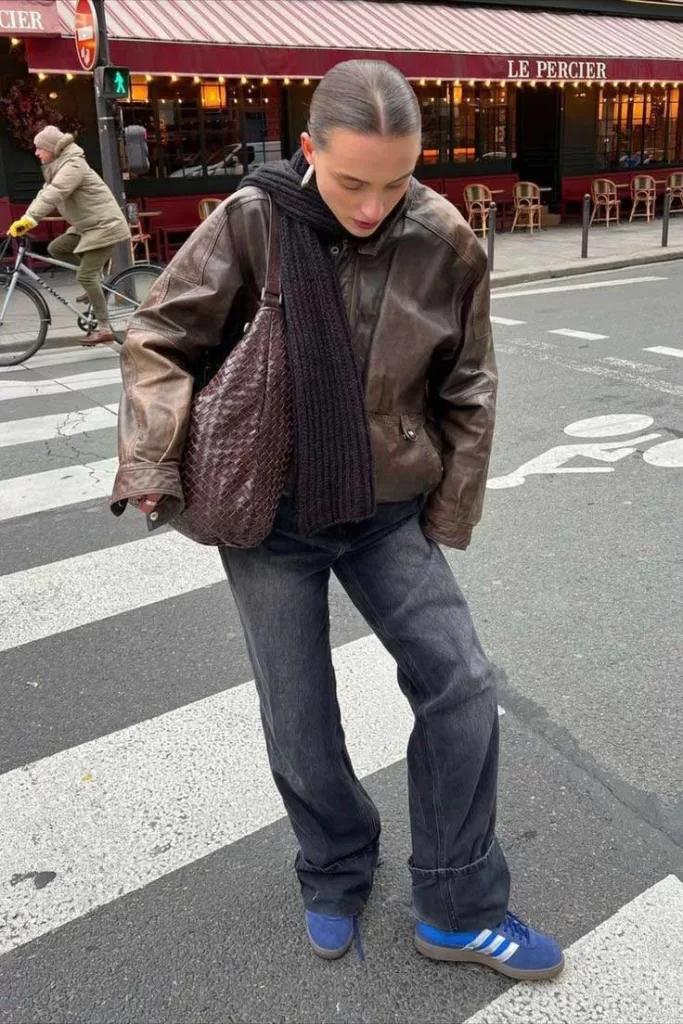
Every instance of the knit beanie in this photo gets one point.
(47, 138)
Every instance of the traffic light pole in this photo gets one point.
(109, 150)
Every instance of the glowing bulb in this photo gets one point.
(422, 81)
(148, 78)
(265, 81)
(221, 80)
(174, 78)
(307, 81)
(286, 81)
(42, 76)
(196, 79)
(69, 78)
(15, 42)
(243, 81)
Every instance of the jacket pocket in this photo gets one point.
(407, 462)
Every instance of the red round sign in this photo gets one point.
(87, 34)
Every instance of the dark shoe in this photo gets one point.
(101, 337)
(513, 949)
(330, 937)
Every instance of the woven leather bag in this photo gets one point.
(239, 440)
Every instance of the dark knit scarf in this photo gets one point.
(334, 479)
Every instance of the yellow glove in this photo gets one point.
(22, 226)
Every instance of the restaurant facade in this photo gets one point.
(509, 91)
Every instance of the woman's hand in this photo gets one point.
(149, 502)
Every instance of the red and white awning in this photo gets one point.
(306, 37)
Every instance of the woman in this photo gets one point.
(386, 297)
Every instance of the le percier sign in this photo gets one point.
(558, 70)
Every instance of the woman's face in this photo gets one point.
(362, 177)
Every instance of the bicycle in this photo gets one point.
(25, 315)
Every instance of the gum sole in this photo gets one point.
(329, 954)
(470, 957)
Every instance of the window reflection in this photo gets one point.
(639, 125)
(205, 128)
(467, 122)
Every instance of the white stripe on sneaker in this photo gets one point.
(508, 952)
(480, 939)
(496, 944)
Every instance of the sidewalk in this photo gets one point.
(557, 252)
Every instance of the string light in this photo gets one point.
(307, 81)
(196, 79)
(15, 42)
(221, 80)
(174, 79)
(438, 81)
(148, 78)
(53, 95)
(69, 77)
(422, 81)
(42, 77)
(286, 82)
(243, 81)
(265, 81)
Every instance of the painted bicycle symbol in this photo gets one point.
(667, 455)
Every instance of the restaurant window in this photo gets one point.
(203, 127)
(639, 126)
(465, 123)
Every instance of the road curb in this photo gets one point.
(507, 278)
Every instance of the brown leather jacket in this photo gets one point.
(418, 302)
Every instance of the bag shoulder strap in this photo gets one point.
(273, 287)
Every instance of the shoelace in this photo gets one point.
(515, 928)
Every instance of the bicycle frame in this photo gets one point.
(21, 270)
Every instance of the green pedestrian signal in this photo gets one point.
(113, 82)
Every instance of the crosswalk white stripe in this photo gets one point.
(501, 293)
(48, 599)
(505, 321)
(628, 968)
(114, 814)
(63, 424)
(567, 332)
(55, 488)
(59, 356)
(662, 350)
(10, 389)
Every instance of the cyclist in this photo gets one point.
(85, 201)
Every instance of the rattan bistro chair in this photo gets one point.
(207, 206)
(606, 204)
(527, 197)
(138, 236)
(478, 199)
(676, 186)
(643, 193)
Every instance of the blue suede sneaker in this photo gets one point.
(513, 949)
(330, 937)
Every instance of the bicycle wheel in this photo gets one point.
(23, 321)
(125, 292)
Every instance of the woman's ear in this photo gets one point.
(307, 146)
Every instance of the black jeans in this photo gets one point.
(401, 583)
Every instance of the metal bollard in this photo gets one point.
(586, 225)
(493, 210)
(665, 218)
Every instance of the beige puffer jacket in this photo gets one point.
(81, 197)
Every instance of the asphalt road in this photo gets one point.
(145, 868)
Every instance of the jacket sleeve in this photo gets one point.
(463, 385)
(183, 316)
(66, 180)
